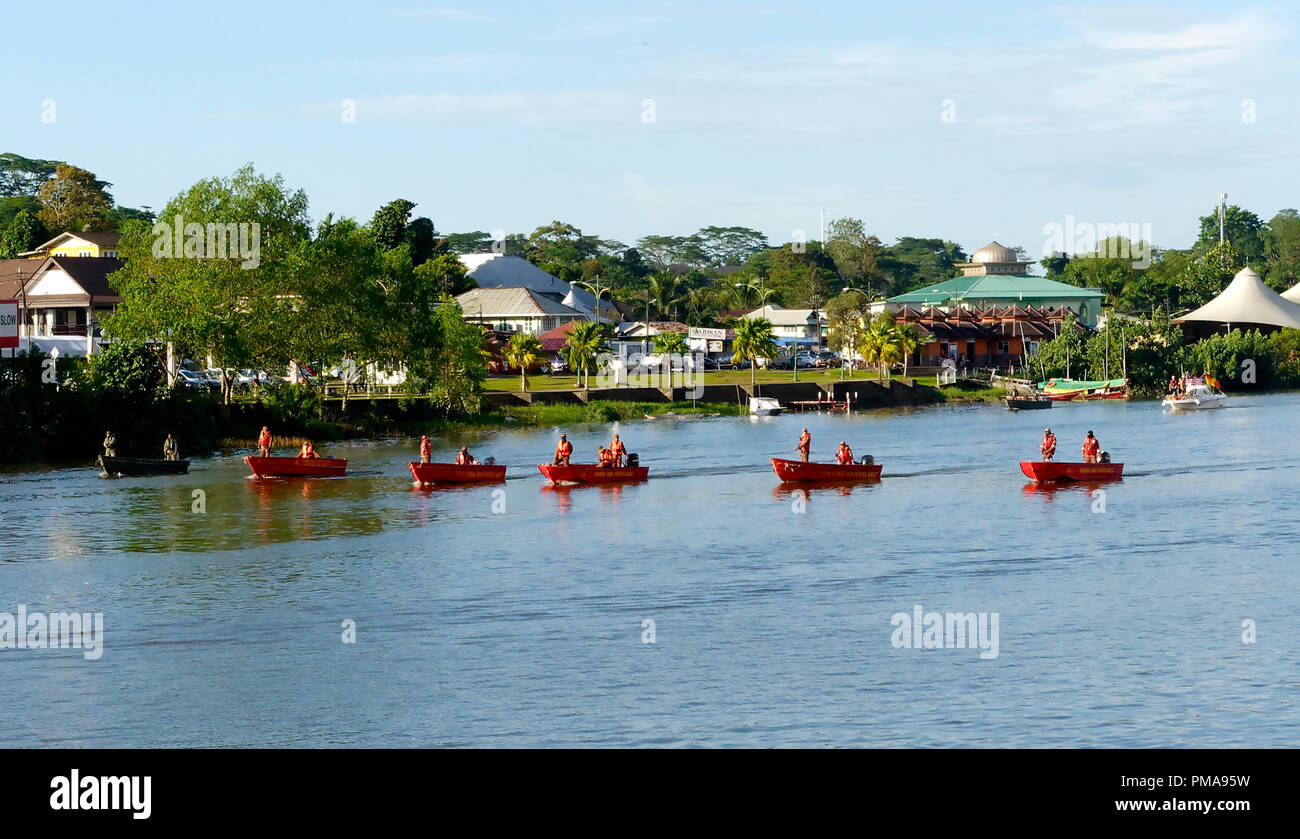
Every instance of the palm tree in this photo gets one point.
(670, 342)
(753, 341)
(524, 351)
(909, 341)
(871, 341)
(663, 290)
(584, 345)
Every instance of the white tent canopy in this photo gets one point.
(1292, 293)
(1248, 300)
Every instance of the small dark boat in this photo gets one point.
(590, 473)
(296, 467)
(1044, 471)
(132, 467)
(792, 471)
(1028, 403)
(451, 473)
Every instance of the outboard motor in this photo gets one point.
(868, 460)
(1104, 457)
(633, 459)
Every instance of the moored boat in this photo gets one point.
(763, 406)
(792, 471)
(452, 473)
(1028, 403)
(1045, 471)
(296, 467)
(139, 466)
(590, 473)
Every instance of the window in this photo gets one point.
(1004, 347)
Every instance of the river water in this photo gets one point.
(520, 615)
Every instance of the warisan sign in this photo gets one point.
(8, 324)
(704, 332)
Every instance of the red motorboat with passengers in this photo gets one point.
(1046, 471)
(796, 471)
(455, 473)
(296, 467)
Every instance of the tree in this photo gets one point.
(753, 341)
(909, 340)
(207, 293)
(75, 200)
(524, 351)
(1242, 229)
(844, 314)
(420, 236)
(582, 348)
(23, 234)
(389, 223)
(663, 291)
(729, 245)
(1283, 250)
(1202, 279)
(459, 362)
(446, 273)
(24, 176)
(670, 343)
(853, 250)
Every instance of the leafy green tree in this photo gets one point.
(228, 308)
(446, 273)
(23, 176)
(1203, 278)
(459, 361)
(844, 314)
(389, 223)
(728, 245)
(23, 234)
(854, 251)
(524, 351)
(909, 340)
(421, 238)
(1242, 229)
(912, 263)
(670, 343)
(1283, 250)
(76, 200)
(753, 341)
(664, 292)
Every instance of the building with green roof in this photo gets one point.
(996, 277)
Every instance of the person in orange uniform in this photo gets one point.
(426, 448)
(264, 442)
(464, 458)
(308, 450)
(618, 450)
(563, 451)
(845, 454)
(1091, 445)
(604, 457)
(1048, 446)
(805, 445)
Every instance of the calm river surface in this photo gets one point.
(1120, 616)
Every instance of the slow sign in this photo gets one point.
(8, 324)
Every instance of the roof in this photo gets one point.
(1248, 300)
(994, 252)
(104, 239)
(10, 286)
(554, 339)
(91, 273)
(508, 302)
(780, 316)
(498, 270)
(1292, 293)
(1016, 287)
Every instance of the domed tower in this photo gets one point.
(993, 258)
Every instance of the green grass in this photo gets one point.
(600, 412)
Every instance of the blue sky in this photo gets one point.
(508, 115)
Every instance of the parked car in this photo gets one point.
(191, 380)
(826, 358)
(558, 365)
(807, 360)
(781, 362)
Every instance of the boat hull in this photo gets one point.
(141, 466)
(589, 473)
(296, 467)
(1020, 404)
(451, 473)
(1192, 404)
(796, 471)
(1047, 471)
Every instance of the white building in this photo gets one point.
(516, 310)
(792, 326)
(496, 270)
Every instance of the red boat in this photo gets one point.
(451, 473)
(1045, 471)
(296, 467)
(590, 473)
(796, 470)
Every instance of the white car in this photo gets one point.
(191, 379)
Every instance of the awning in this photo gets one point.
(786, 342)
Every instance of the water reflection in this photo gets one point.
(1049, 491)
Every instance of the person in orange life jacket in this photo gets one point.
(845, 454)
(618, 450)
(1091, 445)
(805, 445)
(464, 458)
(426, 448)
(264, 442)
(1048, 446)
(563, 451)
(605, 457)
(308, 450)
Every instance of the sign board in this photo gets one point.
(9, 324)
(704, 332)
(715, 346)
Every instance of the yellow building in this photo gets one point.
(77, 244)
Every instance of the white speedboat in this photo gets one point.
(762, 406)
(1195, 398)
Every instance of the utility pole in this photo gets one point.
(823, 239)
(1223, 212)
